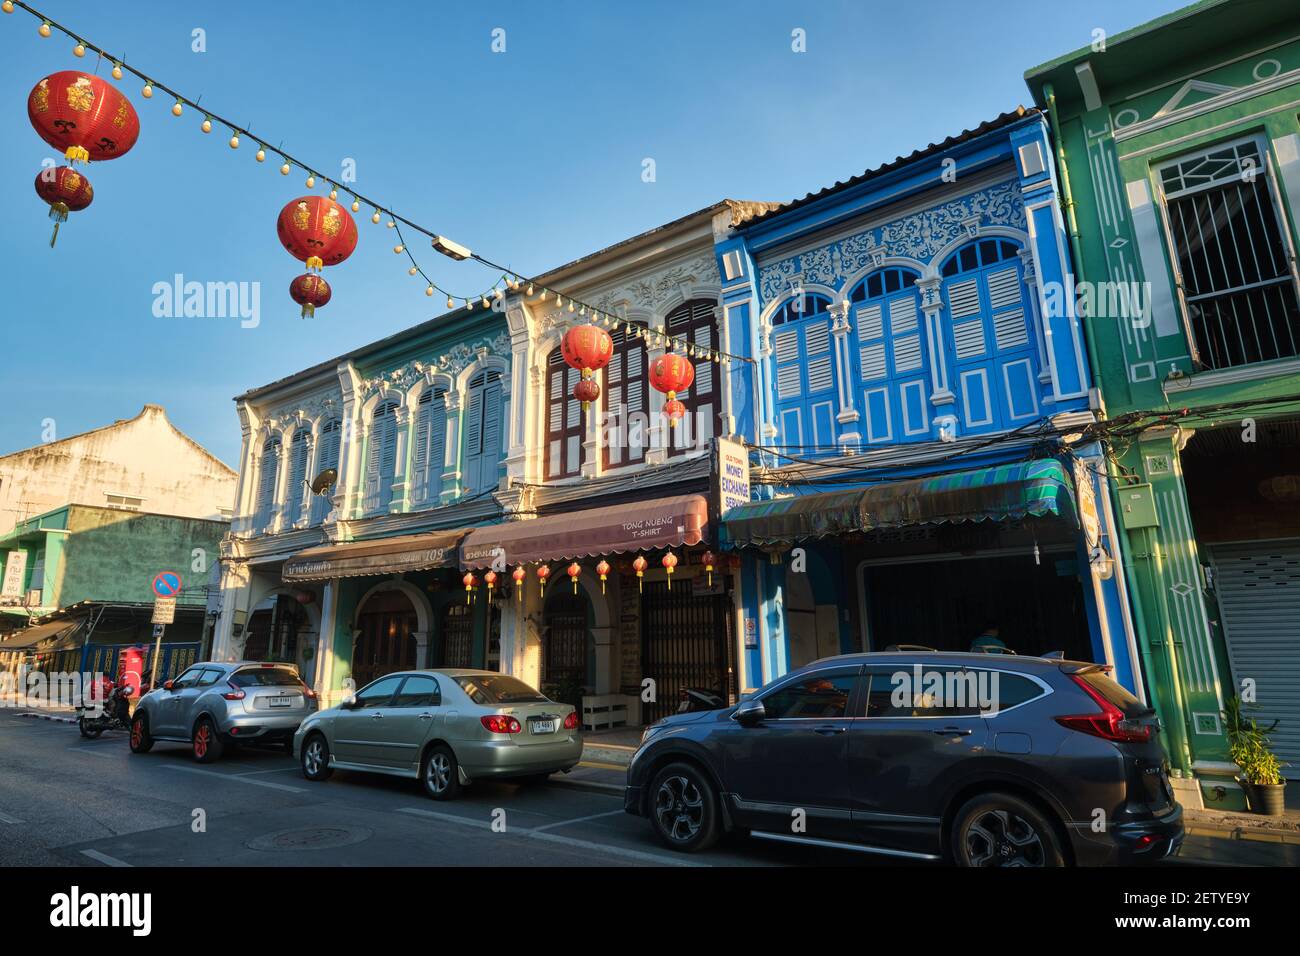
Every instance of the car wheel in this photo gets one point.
(87, 730)
(206, 741)
(1002, 830)
(684, 808)
(316, 758)
(439, 775)
(141, 742)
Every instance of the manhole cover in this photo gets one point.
(310, 838)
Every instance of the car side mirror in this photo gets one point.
(749, 713)
(167, 685)
(349, 702)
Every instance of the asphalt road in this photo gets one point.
(65, 801)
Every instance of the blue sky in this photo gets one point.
(532, 157)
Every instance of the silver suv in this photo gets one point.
(213, 705)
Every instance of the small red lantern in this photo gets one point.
(639, 565)
(519, 574)
(490, 579)
(310, 291)
(66, 190)
(574, 570)
(470, 581)
(708, 560)
(672, 373)
(586, 391)
(603, 570)
(543, 572)
(670, 562)
(83, 116)
(317, 230)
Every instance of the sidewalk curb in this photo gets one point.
(591, 786)
(1243, 833)
(54, 717)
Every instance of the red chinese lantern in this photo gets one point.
(470, 581)
(708, 560)
(320, 232)
(490, 579)
(574, 571)
(586, 391)
(603, 570)
(672, 373)
(588, 348)
(310, 291)
(639, 565)
(519, 574)
(543, 572)
(66, 190)
(83, 116)
(670, 562)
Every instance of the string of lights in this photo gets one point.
(509, 281)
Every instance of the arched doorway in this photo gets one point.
(456, 626)
(387, 621)
(566, 625)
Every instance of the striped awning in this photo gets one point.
(1000, 493)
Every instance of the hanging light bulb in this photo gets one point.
(44, 29)
(284, 170)
(334, 194)
(234, 141)
(206, 125)
(147, 92)
(412, 270)
(375, 217)
(260, 155)
(392, 224)
(469, 303)
(399, 249)
(356, 204)
(530, 288)
(429, 291)
(311, 180)
(79, 49)
(451, 303)
(117, 71)
(177, 108)
(485, 302)
(7, 6)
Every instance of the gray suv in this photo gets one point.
(211, 706)
(979, 759)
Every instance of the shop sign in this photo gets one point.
(732, 476)
(1087, 499)
(15, 568)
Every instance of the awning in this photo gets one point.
(28, 637)
(614, 529)
(1004, 492)
(407, 552)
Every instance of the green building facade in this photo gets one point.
(1179, 145)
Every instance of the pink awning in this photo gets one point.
(615, 529)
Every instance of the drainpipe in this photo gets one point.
(1071, 221)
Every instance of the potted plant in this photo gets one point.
(1261, 771)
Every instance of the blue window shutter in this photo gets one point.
(328, 457)
(266, 486)
(490, 446)
(297, 475)
(474, 434)
(420, 449)
(388, 460)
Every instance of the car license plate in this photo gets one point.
(543, 726)
(281, 701)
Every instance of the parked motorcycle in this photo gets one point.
(112, 713)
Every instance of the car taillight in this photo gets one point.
(571, 721)
(501, 724)
(235, 693)
(1110, 724)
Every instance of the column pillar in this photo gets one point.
(941, 394)
(845, 379)
(402, 420)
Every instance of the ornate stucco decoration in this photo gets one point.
(452, 363)
(918, 236)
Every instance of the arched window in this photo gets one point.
(626, 402)
(482, 433)
(297, 475)
(563, 419)
(429, 455)
(267, 472)
(694, 323)
(327, 457)
(891, 355)
(805, 373)
(989, 342)
(381, 459)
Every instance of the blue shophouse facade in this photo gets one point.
(912, 333)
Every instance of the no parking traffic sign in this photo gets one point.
(166, 584)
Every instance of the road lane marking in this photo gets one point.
(5, 818)
(91, 751)
(535, 834)
(565, 823)
(240, 779)
(105, 858)
(251, 773)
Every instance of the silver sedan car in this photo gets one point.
(213, 705)
(446, 728)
